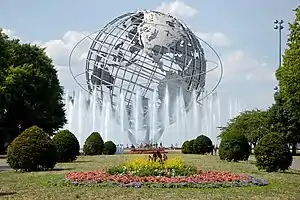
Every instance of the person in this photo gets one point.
(118, 149)
(132, 147)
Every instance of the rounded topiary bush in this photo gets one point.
(32, 150)
(93, 144)
(184, 147)
(202, 145)
(109, 148)
(67, 146)
(234, 147)
(272, 153)
(187, 147)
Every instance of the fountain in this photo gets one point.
(204, 118)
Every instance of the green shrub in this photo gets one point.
(184, 147)
(272, 153)
(234, 147)
(67, 146)
(93, 144)
(187, 147)
(32, 150)
(109, 148)
(202, 145)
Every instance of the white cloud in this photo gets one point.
(177, 8)
(59, 50)
(238, 65)
(10, 33)
(216, 39)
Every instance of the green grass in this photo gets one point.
(37, 185)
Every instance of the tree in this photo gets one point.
(288, 75)
(280, 121)
(30, 93)
(272, 153)
(252, 124)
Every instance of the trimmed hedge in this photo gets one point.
(32, 150)
(202, 145)
(93, 144)
(109, 148)
(67, 146)
(272, 153)
(234, 147)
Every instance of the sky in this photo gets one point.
(240, 31)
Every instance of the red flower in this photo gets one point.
(201, 177)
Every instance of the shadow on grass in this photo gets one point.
(82, 161)
(60, 169)
(294, 172)
(7, 193)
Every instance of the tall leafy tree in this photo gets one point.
(253, 124)
(280, 121)
(288, 76)
(30, 93)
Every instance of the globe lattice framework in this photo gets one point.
(145, 52)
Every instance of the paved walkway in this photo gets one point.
(4, 168)
(296, 163)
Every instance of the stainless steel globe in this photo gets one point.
(146, 52)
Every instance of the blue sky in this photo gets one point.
(241, 31)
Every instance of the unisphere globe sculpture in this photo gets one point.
(145, 63)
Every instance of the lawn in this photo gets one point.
(41, 185)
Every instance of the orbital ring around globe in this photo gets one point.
(163, 58)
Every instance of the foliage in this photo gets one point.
(67, 146)
(280, 121)
(32, 150)
(93, 144)
(272, 153)
(252, 124)
(109, 148)
(188, 147)
(184, 147)
(30, 93)
(145, 167)
(234, 147)
(288, 76)
(202, 145)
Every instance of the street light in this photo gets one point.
(279, 26)
(19, 126)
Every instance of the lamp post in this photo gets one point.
(278, 25)
(19, 127)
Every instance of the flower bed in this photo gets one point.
(204, 179)
(150, 172)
